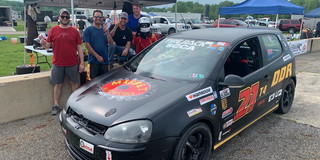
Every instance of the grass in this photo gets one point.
(12, 55)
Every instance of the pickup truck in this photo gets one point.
(168, 25)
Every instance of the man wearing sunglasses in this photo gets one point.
(97, 38)
(122, 37)
(67, 56)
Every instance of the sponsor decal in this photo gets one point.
(220, 49)
(213, 109)
(187, 44)
(206, 99)
(108, 155)
(275, 95)
(199, 93)
(214, 46)
(227, 124)
(261, 102)
(227, 112)
(286, 57)
(86, 146)
(127, 89)
(194, 111)
(220, 133)
(224, 103)
(225, 93)
(215, 95)
(226, 132)
(195, 75)
(281, 74)
(223, 43)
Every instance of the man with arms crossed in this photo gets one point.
(66, 42)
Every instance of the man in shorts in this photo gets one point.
(67, 56)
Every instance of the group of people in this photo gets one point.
(101, 41)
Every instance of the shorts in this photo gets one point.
(58, 73)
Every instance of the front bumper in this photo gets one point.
(103, 149)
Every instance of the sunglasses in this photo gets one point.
(97, 16)
(66, 17)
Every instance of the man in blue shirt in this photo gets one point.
(133, 19)
(97, 38)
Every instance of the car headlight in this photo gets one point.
(130, 132)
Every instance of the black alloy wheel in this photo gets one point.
(287, 98)
(195, 143)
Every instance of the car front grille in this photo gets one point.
(90, 126)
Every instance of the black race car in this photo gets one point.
(182, 97)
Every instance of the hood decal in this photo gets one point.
(127, 89)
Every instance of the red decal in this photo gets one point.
(126, 88)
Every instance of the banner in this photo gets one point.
(298, 47)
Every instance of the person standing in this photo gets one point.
(133, 19)
(81, 26)
(318, 30)
(122, 37)
(67, 52)
(96, 39)
(143, 38)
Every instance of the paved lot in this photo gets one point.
(295, 135)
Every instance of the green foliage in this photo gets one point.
(12, 55)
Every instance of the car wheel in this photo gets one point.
(287, 98)
(291, 30)
(171, 30)
(195, 143)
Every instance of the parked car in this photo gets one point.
(290, 25)
(195, 23)
(229, 23)
(168, 25)
(182, 97)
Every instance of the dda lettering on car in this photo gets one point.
(127, 89)
(198, 94)
(281, 74)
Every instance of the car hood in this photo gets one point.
(123, 96)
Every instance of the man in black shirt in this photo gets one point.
(122, 37)
(81, 26)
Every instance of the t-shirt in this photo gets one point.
(143, 43)
(121, 37)
(133, 22)
(98, 40)
(81, 24)
(64, 45)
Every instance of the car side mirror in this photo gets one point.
(165, 22)
(232, 81)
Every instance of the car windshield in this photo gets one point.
(179, 59)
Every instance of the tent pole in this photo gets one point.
(24, 29)
(218, 20)
(72, 13)
(301, 26)
(277, 16)
(175, 15)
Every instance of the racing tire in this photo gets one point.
(195, 143)
(287, 98)
(26, 69)
(171, 31)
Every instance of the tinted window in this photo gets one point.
(285, 22)
(272, 46)
(295, 22)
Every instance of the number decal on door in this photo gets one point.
(247, 97)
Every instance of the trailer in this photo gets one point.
(5, 16)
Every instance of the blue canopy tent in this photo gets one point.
(262, 7)
(313, 14)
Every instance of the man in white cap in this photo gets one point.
(67, 56)
(122, 37)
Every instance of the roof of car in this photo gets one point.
(225, 34)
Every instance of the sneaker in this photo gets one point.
(55, 110)
(110, 66)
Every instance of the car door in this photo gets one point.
(242, 105)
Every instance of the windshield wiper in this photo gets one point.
(153, 77)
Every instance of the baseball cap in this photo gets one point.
(64, 10)
(124, 15)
